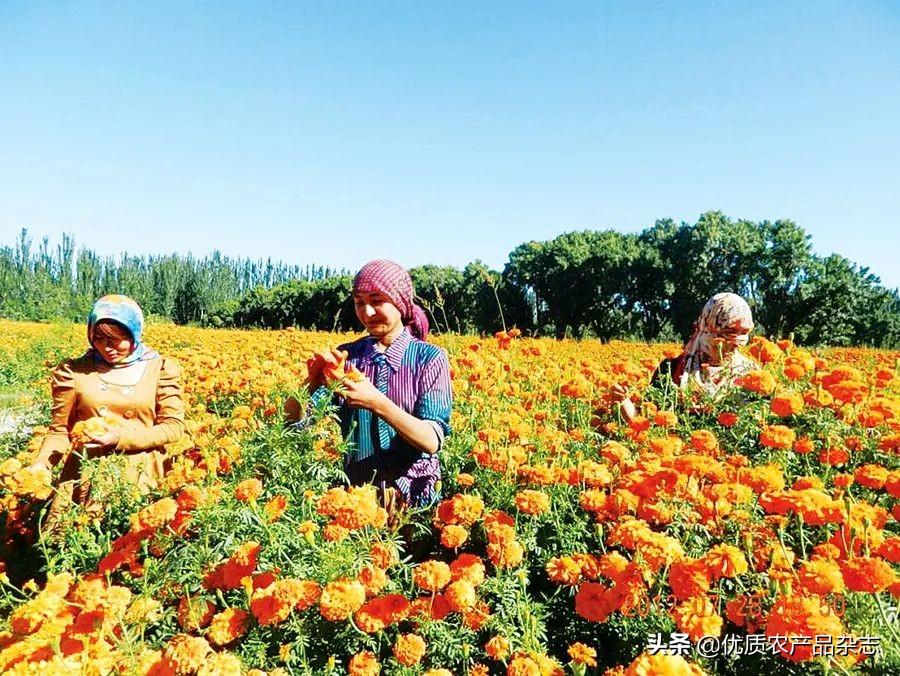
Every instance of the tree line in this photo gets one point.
(44, 282)
(593, 283)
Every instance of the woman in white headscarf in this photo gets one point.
(710, 360)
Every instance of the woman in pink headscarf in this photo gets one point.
(397, 416)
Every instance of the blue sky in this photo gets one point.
(437, 132)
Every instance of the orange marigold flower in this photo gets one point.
(662, 665)
(579, 653)
(461, 595)
(381, 612)
(460, 510)
(697, 617)
(468, 567)
(704, 441)
(432, 576)
(785, 404)
(374, 579)
(465, 480)
(505, 553)
(761, 382)
(532, 502)
(777, 436)
(688, 578)
(275, 508)
(871, 476)
(497, 648)
(727, 419)
(799, 617)
(453, 536)
(867, 574)
(240, 565)
(725, 561)
(228, 626)
(341, 598)
(564, 570)
(834, 456)
(409, 649)
(820, 576)
(248, 489)
(890, 549)
(663, 419)
(194, 614)
(803, 445)
(364, 663)
(154, 515)
(186, 654)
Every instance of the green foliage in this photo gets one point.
(604, 284)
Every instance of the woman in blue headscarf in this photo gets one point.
(130, 394)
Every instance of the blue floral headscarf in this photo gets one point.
(126, 313)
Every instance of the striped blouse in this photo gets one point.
(418, 382)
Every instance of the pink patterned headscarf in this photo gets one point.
(392, 280)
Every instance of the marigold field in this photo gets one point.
(565, 541)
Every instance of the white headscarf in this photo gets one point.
(725, 315)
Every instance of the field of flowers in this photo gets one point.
(757, 534)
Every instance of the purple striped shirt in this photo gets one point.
(418, 382)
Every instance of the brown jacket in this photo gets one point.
(151, 415)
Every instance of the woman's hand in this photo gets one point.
(38, 466)
(622, 395)
(362, 393)
(111, 438)
(319, 363)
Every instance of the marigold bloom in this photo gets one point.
(564, 570)
(801, 617)
(786, 404)
(532, 502)
(725, 561)
(820, 576)
(432, 576)
(275, 507)
(228, 626)
(241, 564)
(727, 419)
(154, 515)
(662, 665)
(697, 617)
(777, 436)
(453, 537)
(381, 612)
(867, 574)
(461, 595)
(186, 654)
(248, 489)
(341, 598)
(689, 578)
(364, 663)
(497, 648)
(761, 382)
(194, 614)
(582, 654)
(409, 649)
(468, 567)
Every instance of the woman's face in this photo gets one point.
(112, 341)
(724, 343)
(377, 313)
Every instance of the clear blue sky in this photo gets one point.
(438, 132)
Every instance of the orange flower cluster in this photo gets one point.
(229, 574)
(353, 508)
